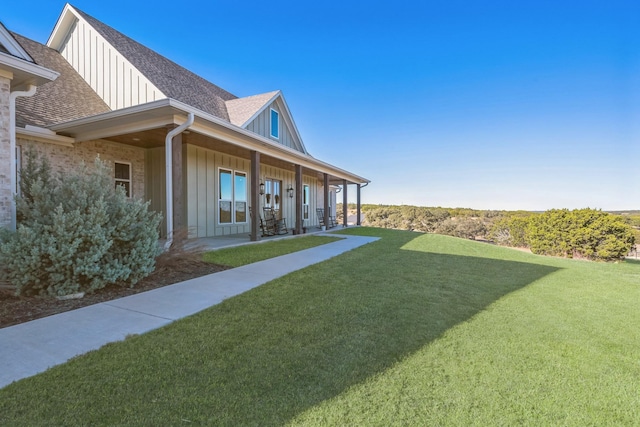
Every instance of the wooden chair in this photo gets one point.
(269, 224)
(267, 228)
(273, 224)
(332, 219)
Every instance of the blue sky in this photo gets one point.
(488, 105)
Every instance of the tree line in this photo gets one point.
(580, 233)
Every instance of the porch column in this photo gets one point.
(326, 201)
(255, 196)
(345, 208)
(176, 179)
(358, 207)
(298, 229)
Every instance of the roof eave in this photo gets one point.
(164, 111)
(26, 73)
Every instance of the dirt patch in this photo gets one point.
(169, 270)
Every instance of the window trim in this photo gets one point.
(277, 130)
(130, 180)
(234, 173)
(220, 199)
(246, 197)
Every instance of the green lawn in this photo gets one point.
(247, 254)
(410, 330)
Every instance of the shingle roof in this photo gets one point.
(67, 98)
(172, 79)
(242, 109)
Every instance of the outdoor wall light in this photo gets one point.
(261, 188)
(290, 191)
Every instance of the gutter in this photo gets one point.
(31, 90)
(169, 175)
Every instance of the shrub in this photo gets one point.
(465, 227)
(77, 233)
(510, 231)
(582, 233)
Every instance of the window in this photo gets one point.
(232, 197)
(273, 193)
(305, 201)
(240, 191)
(275, 124)
(123, 176)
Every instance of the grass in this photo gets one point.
(248, 254)
(409, 330)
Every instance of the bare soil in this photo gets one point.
(169, 270)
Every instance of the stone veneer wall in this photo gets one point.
(64, 158)
(5, 153)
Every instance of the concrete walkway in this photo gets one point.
(30, 348)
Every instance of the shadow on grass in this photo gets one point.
(270, 354)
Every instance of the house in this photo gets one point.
(201, 155)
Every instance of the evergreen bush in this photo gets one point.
(510, 231)
(77, 233)
(581, 233)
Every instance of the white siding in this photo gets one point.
(113, 78)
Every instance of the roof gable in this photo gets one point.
(255, 117)
(173, 80)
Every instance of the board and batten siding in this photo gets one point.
(262, 126)
(201, 181)
(200, 187)
(108, 73)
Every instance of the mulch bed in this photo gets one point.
(15, 310)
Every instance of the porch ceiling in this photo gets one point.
(154, 138)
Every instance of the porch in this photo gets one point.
(232, 240)
(204, 174)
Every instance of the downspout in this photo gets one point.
(31, 90)
(169, 175)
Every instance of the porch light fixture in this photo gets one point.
(261, 188)
(290, 191)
